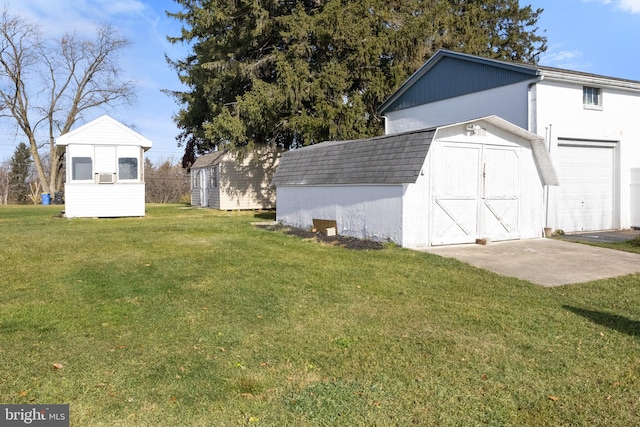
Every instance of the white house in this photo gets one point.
(105, 170)
(590, 123)
(483, 178)
(228, 180)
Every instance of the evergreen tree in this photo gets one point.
(19, 174)
(294, 73)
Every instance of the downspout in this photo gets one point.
(533, 105)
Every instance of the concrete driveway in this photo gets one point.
(613, 236)
(546, 262)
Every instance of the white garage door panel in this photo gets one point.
(585, 195)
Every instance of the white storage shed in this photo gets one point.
(105, 170)
(230, 180)
(482, 178)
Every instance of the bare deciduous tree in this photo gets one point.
(46, 85)
(166, 183)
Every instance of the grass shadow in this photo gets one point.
(612, 321)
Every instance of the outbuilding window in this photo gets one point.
(591, 97)
(214, 176)
(127, 168)
(81, 169)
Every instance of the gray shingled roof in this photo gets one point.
(207, 159)
(389, 159)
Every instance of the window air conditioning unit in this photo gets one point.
(106, 178)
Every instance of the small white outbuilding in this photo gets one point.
(483, 178)
(104, 170)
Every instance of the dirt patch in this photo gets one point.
(342, 241)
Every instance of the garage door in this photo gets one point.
(476, 193)
(585, 196)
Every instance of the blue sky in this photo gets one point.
(596, 36)
(145, 24)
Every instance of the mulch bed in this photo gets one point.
(342, 241)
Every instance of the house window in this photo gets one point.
(127, 168)
(195, 179)
(591, 97)
(81, 169)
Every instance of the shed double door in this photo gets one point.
(476, 193)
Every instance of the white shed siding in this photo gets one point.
(79, 151)
(416, 210)
(562, 115)
(366, 212)
(105, 159)
(512, 106)
(245, 185)
(195, 187)
(213, 186)
(106, 200)
(106, 131)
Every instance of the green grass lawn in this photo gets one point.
(191, 317)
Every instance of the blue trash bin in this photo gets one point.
(46, 198)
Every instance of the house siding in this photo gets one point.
(561, 117)
(635, 198)
(452, 77)
(512, 106)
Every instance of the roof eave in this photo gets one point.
(595, 80)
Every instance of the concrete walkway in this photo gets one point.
(546, 262)
(613, 236)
